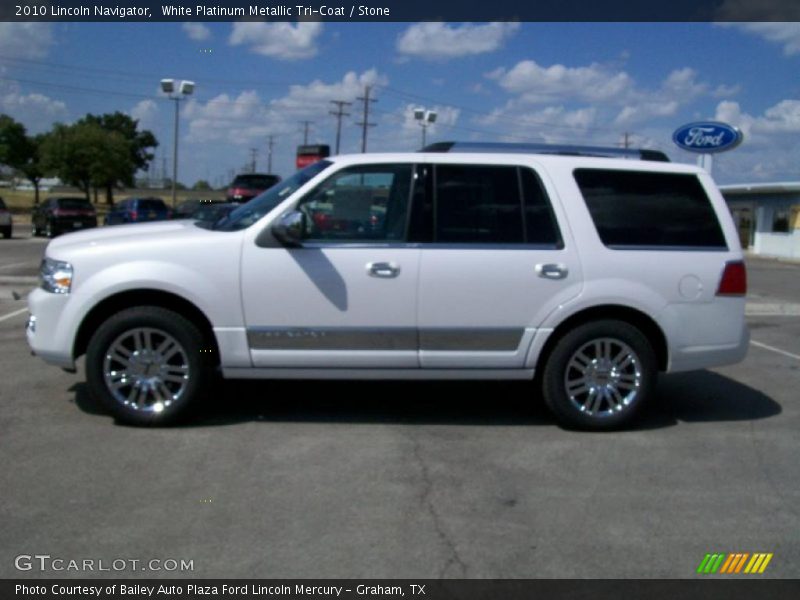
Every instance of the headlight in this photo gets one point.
(56, 276)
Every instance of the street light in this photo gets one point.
(424, 118)
(185, 88)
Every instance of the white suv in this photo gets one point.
(585, 274)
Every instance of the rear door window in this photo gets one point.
(633, 209)
(492, 204)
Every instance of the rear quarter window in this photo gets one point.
(633, 209)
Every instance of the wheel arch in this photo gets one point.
(142, 297)
(649, 328)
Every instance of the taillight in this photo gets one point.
(134, 215)
(734, 279)
(57, 212)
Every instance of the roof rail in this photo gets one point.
(489, 147)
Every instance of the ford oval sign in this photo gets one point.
(707, 137)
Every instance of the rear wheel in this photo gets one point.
(34, 230)
(599, 375)
(7, 232)
(49, 230)
(148, 366)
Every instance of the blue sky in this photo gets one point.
(542, 82)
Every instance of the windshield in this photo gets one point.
(74, 204)
(252, 211)
(254, 182)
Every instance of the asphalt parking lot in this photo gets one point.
(412, 480)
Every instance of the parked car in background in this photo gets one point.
(187, 208)
(211, 213)
(6, 223)
(54, 216)
(138, 210)
(248, 186)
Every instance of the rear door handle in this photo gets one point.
(552, 270)
(386, 270)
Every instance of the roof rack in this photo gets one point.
(489, 147)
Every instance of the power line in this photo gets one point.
(365, 124)
(253, 154)
(270, 144)
(339, 113)
(306, 125)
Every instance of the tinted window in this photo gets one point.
(249, 213)
(363, 203)
(74, 204)
(649, 209)
(540, 222)
(255, 182)
(478, 204)
(152, 204)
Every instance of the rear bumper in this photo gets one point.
(703, 357)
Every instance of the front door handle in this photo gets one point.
(383, 269)
(552, 270)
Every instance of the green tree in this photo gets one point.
(201, 186)
(86, 155)
(12, 142)
(140, 144)
(21, 152)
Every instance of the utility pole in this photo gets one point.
(306, 125)
(270, 144)
(339, 113)
(253, 153)
(626, 144)
(365, 123)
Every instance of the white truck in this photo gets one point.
(586, 271)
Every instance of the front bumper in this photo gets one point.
(48, 336)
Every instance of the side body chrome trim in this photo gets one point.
(371, 373)
(392, 338)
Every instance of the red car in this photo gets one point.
(246, 187)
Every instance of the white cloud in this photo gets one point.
(437, 40)
(771, 142)
(248, 118)
(310, 99)
(281, 40)
(36, 111)
(196, 31)
(786, 34)
(25, 40)
(537, 84)
(146, 113)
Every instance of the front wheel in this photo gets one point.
(599, 375)
(148, 366)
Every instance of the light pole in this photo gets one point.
(424, 118)
(185, 88)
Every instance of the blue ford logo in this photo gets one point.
(707, 137)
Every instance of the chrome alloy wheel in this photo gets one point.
(146, 369)
(603, 377)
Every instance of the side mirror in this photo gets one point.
(290, 228)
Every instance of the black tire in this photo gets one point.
(7, 233)
(34, 230)
(624, 388)
(49, 231)
(162, 323)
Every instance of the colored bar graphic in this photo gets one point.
(729, 564)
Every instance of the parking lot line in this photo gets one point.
(19, 264)
(13, 314)
(777, 350)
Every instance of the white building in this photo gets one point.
(767, 216)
